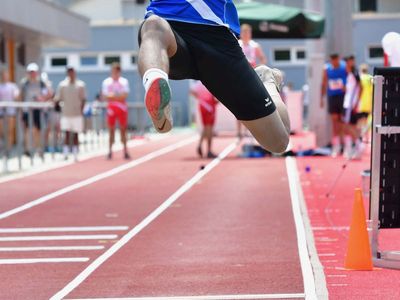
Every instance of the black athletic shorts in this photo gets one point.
(362, 115)
(335, 104)
(212, 55)
(35, 118)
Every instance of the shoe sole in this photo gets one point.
(157, 102)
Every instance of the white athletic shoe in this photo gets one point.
(268, 75)
(157, 100)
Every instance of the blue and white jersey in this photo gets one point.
(208, 12)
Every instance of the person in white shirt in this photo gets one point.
(115, 90)
(254, 55)
(33, 89)
(8, 93)
(71, 93)
(251, 49)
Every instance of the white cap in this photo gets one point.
(32, 67)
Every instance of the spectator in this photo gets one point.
(52, 118)
(8, 93)
(254, 54)
(71, 92)
(353, 91)
(115, 90)
(33, 89)
(251, 49)
(365, 104)
(334, 85)
(207, 108)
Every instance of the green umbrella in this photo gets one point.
(278, 21)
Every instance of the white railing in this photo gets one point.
(24, 140)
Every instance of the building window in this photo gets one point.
(108, 60)
(375, 52)
(290, 55)
(282, 55)
(88, 60)
(368, 5)
(2, 50)
(133, 59)
(59, 62)
(300, 54)
(21, 54)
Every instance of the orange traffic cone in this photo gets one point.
(358, 256)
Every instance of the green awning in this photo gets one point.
(278, 21)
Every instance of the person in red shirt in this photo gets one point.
(115, 90)
(207, 108)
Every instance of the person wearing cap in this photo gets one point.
(33, 89)
(115, 90)
(71, 94)
(334, 86)
(352, 142)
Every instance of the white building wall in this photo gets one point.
(388, 6)
(104, 10)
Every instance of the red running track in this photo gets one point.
(330, 218)
(231, 233)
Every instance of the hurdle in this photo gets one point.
(384, 210)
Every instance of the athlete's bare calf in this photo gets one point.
(158, 45)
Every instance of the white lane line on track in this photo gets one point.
(20, 261)
(138, 228)
(51, 248)
(98, 177)
(306, 267)
(64, 229)
(61, 164)
(213, 297)
(59, 237)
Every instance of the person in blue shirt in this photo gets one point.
(334, 86)
(197, 39)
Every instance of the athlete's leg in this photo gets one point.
(111, 131)
(200, 146)
(158, 44)
(209, 135)
(337, 133)
(123, 130)
(272, 131)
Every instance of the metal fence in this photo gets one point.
(21, 138)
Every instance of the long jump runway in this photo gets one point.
(165, 225)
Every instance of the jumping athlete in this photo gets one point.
(197, 39)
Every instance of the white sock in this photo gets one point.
(65, 150)
(75, 150)
(151, 74)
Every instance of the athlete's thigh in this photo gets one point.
(226, 73)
